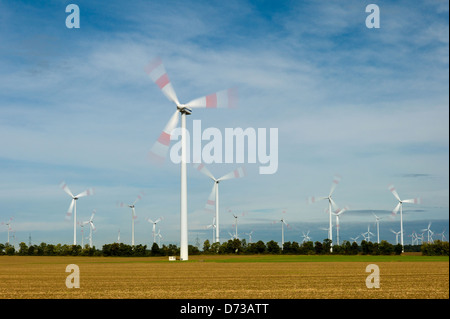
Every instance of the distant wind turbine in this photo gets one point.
(399, 206)
(396, 236)
(213, 199)
(331, 203)
(378, 226)
(154, 227)
(73, 206)
(133, 214)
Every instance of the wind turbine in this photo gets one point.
(213, 226)
(396, 236)
(331, 203)
(227, 98)
(73, 206)
(378, 226)
(154, 227)
(429, 233)
(306, 237)
(283, 222)
(133, 214)
(400, 206)
(213, 199)
(249, 236)
(337, 214)
(368, 233)
(8, 224)
(91, 227)
(354, 239)
(159, 237)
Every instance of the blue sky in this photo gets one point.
(368, 104)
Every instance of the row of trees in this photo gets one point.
(234, 246)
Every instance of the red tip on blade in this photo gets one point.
(211, 100)
(162, 81)
(164, 138)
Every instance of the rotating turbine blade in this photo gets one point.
(336, 181)
(237, 173)
(92, 216)
(65, 188)
(222, 99)
(394, 192)
(88, 192)
(159, 150)
(211, 203)
(139, 197)
(156, 71)
(412, 201)
(202, 168)
(333, 204)
(394, 212)
(92, 225)
(69, 211)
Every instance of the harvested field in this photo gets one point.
(207, 277)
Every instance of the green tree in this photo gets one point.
(318, 248)
(273, 247)
(206, 246)
(23, 249)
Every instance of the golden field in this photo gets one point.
(214, 277)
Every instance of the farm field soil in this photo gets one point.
(210, 277)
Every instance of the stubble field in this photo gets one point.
(209, 277)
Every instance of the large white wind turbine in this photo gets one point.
(213, 199)
(400, 206)
(331, 204)
(133, 214)
(154, 227)
(223, 99)
(73, 206)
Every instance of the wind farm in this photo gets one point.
(278, 185)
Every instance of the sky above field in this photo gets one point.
(367, 104)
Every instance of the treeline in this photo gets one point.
(232, 246)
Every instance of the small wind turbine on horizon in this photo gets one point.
(396, 236)
(377, 219)
(429, 233)
(367, 234)
(8, 225)
(306, 237)
(223, 99)
(154, 226)
(133, 214)
(73, 206)
(331, 203)
(400, 207)
(213, 199)
(283, 222)
(213, 226)
(249, 236)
